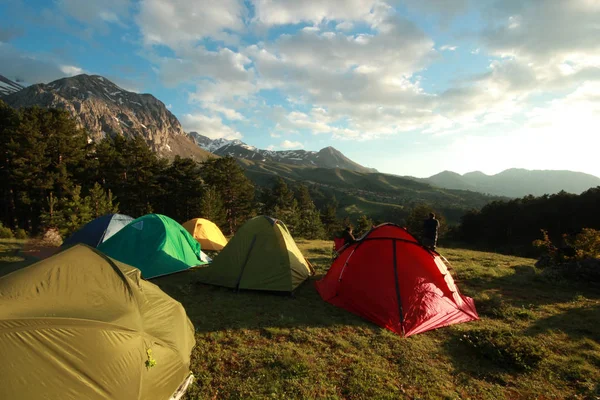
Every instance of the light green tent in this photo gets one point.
(155, 244)
(79, 325)
(261, 256)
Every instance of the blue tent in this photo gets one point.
(99, 230)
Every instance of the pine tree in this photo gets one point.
(309, 224)
(76, 211)
(211, 206)
(183, 189)
(234, 188)
(101, 201)
(52, 216)
(329, 218)
(9, 121)
(363, 225)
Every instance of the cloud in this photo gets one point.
(9, 33)
(544, 31)
(448, 48)
(283, 12)
(211, 127)
(31, 68)
(275, 135)
(195, 63)
(271, 147)
(97, 13)
(71, 70)
(182, 22)
(287, 144)
(344, 26)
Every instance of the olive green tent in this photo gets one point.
(79, 325)
(155, 244)
(261, 256)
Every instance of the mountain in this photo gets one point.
(516, 182)
(328, 157)
(8, 87)
(381, 196)
(103, 108)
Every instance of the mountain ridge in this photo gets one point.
(8, 86)
(516, 182)
(328, 157)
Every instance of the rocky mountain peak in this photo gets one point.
(105, 109)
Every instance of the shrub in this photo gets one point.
(20, 233)
(505, 348)
(5, 233)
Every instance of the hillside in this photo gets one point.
(516, 182)
(259, 345)
(8, 87)
(103, 108)
(381, 196)
(327, 157)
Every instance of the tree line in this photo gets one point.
(512, 226)
(53, 176)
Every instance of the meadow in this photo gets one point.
(537, 338)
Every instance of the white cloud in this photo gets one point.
(195, 63)
(344, 26)
(71, 70)
(182, 22)
(287, 144)
(211, 127)
(228, 113)
(316, 11)
(97, 13)
(448, 48)
(169, 106)
(275, 135)
(271, 147)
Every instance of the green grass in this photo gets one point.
(535, 340)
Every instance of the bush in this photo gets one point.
(5, 233)
(505, 348)
(20, 233)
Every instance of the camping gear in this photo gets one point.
(155, 244)
(388, 278)
(206, 233)
(79, 325)
(261, 256)
(98, 230)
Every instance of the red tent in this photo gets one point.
(390, 279)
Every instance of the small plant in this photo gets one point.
(150, 362)
(5, 233)
(21, 233)
(505, 348)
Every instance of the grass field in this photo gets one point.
(536, 339)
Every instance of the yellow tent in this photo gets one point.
(207, 233)
(80, 325)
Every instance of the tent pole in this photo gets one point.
(400, 311)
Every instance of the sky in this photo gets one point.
(410, 87)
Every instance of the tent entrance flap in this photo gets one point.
(237, 286)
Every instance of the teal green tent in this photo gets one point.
(155, 244)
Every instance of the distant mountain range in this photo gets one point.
(103, 108)
(328, 157)
(8, 87)
(516, 182)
